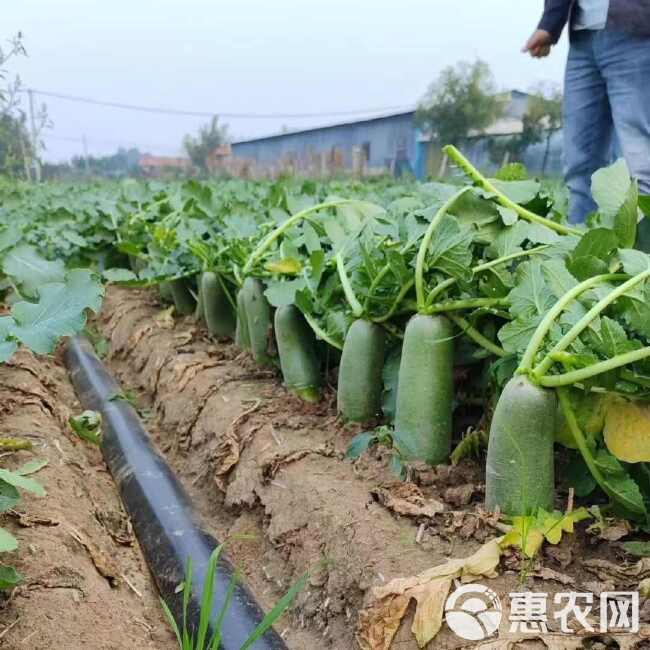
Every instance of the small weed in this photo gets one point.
(380, 436)
(88, 426)
(127, 395)
(198, 640)
(97, 340)
(10, 481)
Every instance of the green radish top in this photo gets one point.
(423, 417)
(520, 464)
(297, 350)
(360, 382)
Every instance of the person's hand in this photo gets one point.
(539, 44)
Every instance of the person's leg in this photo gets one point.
(625, 64)
(587, 124)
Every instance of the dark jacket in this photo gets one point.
(631, 16)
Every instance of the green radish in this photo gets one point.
(165, 292)
(425, 390)
(258, 318)
(218, 312)
(242, 338)
(136, 263)
(297, 349)
(520, 469)
(183, 298)
(199, 312)
(360, 382)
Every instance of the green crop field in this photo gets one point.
(469, 322)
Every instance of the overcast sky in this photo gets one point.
(253, 56)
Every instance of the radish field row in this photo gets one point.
(399, 285)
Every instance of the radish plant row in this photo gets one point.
(400, 286)
(42, 302)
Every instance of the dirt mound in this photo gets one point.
(85, 581)
(257, 461)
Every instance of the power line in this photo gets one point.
(104, 141)
(174, 111)
(66, 138)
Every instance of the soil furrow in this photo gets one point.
(268, 473)
(85, 581)
(279, 476)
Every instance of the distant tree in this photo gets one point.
(124, 162)
(15, 147)
(199, 148)
(121, 163)
(13, 48)
(18, 147)
(462, 99)
(58, 171)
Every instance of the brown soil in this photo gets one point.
(85, 581)
(259, 462)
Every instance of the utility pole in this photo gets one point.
(32, 119)
(23, 150)
(84, 142)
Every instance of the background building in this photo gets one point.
(154, 166)
(389, 143)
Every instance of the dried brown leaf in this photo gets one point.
(103, 563)
(407, 499)
(117, 525)
(273, 466)
(545, 573)
(460, 495)
(27, 520)
(615, 530)
(620, 574)
(165, 319)
(380, 620)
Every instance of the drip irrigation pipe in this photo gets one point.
(160, 509)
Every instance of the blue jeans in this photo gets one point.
(606, 109)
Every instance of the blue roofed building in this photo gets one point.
(390, 143)
(387, 143)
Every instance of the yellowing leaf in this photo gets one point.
(165, 237)
(524, 535)
(627, 430)
(553, 524)
(429, 611)
(644, 588)
(286, 266)
(529, 533)
(381, 618)
(590, 412)
(484, 562)
(165, 319)
(563, 435)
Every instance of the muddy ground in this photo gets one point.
(258, 462)
(85, 581)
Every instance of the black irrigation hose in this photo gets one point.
(159, 507)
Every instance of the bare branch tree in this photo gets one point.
(19, 149)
